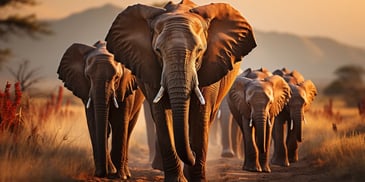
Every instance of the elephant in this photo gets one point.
(254, 103)
(231, 136)
(112, 102)
(303, 94)
(185, 58)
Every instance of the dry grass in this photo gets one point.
(50, 146)
(340, 152)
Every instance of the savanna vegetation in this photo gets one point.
(349, 84)
(46, 139)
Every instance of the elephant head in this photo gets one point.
(259, 101)
(93, 75)
(178, 50)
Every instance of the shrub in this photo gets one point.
(10, 114)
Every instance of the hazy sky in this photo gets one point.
(338, 19)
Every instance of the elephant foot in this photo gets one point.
(157, 164)
(180, 178)
(114, 175)
(266, 169)
(284, 163)
(252, 168)
(100, 173)
(293, 160)
(227, 153)
(123, 174)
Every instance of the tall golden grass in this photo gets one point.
(54, 144)
(51, 144)
(336, 143)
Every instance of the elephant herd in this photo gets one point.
(183, 59)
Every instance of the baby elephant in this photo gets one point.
(254, 103)
(111, 98)
(289, 122)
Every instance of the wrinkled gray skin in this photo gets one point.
(112, 102)
(185, 57)
(254, 104)
(289, 122)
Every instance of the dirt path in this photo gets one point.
(220, 170)
(229, 169)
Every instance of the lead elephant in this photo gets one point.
(291, 117)
(186, 58)
(111, 97)
(254, 104)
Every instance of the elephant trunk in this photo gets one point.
(298, 117)
(180, 113)
(179, 86)
(260, 122)
(100, 103)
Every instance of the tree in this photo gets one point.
(18, 25)
(349, 84)
(26, 76)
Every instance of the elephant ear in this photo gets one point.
(246, 72)
(127, 85)
(281, 92)
(71, 70)
(281, 72)
(311, 92)
(296, 77)
(237, 95)
(129, 39)
(230, 37)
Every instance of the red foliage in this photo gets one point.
(9, 119)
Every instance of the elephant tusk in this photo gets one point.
(269, 122)
(305, 121)
(250, 124)
(200, 95)
(291, 124)
(115, 102)
(88, 103)
(159, 95)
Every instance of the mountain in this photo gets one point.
(316, 57)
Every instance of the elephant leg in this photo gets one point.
(213, 132)
(280, 156)
(227, 135)
(264, 157)
(157, 159)
(151, 131)
(131, 125)
(111, 167)
(237, 140)
(292, 146)
(119, 125)
(251, 162)
(170, 161)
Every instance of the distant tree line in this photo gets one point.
(349, 84)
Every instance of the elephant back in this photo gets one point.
(258, 74)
